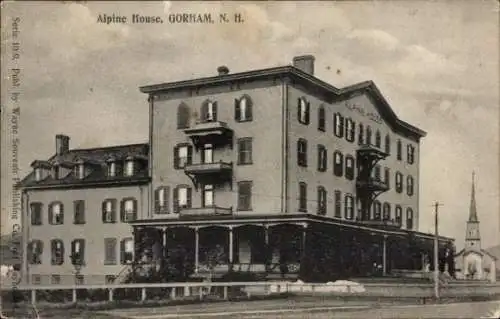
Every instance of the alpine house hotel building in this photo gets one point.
(276, 172)
(271, 172)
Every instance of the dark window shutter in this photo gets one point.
(157, 200)
(298, 109)
(307, 112)
(122, 251)
(82, 250)
(249, 115)
(53, 252)
(189, 155)
(122, 210)
(51, 214)
(342, 125)
(29, 252)
(135, 209)
(176, 200)
(214, 110)
(204, 111)
(176, 157)
(188, 196)
(113, 210)
(237, 110)
(61, 207)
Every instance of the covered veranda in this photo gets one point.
(310, 247)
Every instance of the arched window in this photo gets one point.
(243, 109)
(183, 116)
(387, 144)
(57, 250)
(209, 111)
(409, 185)
(338, 204)
(409, 218)
(322, 158)
(338, 125)
(399, 214)
(368, 135)
(377, 210)
(303, 110)
(321, 118)
(350, 130)
(378, 139)
(399, 182)
(399, 150)
(162, 194)
(302, 152)
(56, 213)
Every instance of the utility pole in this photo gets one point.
(436, 251)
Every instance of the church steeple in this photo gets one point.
(472, 236)
(472, 207)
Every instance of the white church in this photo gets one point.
(473, 262)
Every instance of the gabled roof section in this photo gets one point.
(98, 158)
(304, 78)
(477, 251)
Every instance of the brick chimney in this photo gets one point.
(62, 144)
(304, 63)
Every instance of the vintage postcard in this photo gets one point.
(254, 159)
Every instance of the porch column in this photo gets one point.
(196, 249)
(268, 254)
(230, 245)
(384, 255)
(303, 248)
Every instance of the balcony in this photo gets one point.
(370, 151)
(372, 184)
(213, 132)
(205, 211)
(208, 168)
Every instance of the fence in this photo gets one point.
(231, 290)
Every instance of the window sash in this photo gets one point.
(112, 169)
(208, 154)
(129, 168)
(208, 195)
(110, 250)
(302, 197)
(245, 151)
(182, 196)
(244, 196)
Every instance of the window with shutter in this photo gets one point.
(350, 130)
(349, 206)
(110, 251)
(127, 251)
(409, 185)
(338, 204)
(338, 125)
(35, 251)
(399, 182)
(399, 214)
(302, 152)
(208, 195)
(161, 200)
(303, 111)
(322, 201)
(129, 210)
(302, 197)
(349, 167)
(322, 158)
(409, 218)
(378, 139)
(410, 154)
(182, 156)
(321, 118)
(360, 134)
(377, 210)
(78, 252)
(245, 150)
(108, 211)
(368, 135)
(244, 196)
(243, 109)
(338, 163)
(56, 213)
(79, 214)
(387, 212)
(57, 250)
(36, 213)
(209, 111)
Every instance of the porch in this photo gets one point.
(302, 246)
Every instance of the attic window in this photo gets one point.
(79, 171)
(111, 169)
(129, 167)
(38, 174)
(56, 172)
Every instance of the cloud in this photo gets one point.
(376, 38)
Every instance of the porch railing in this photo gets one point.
(205, 211)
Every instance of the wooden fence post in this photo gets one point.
(33, 296)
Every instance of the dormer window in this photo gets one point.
(129, 167)
(38, 174)
(56, 172)
(79, 171)
(112, 169)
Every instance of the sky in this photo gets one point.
(437, 63)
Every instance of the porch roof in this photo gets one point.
(261, 220)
